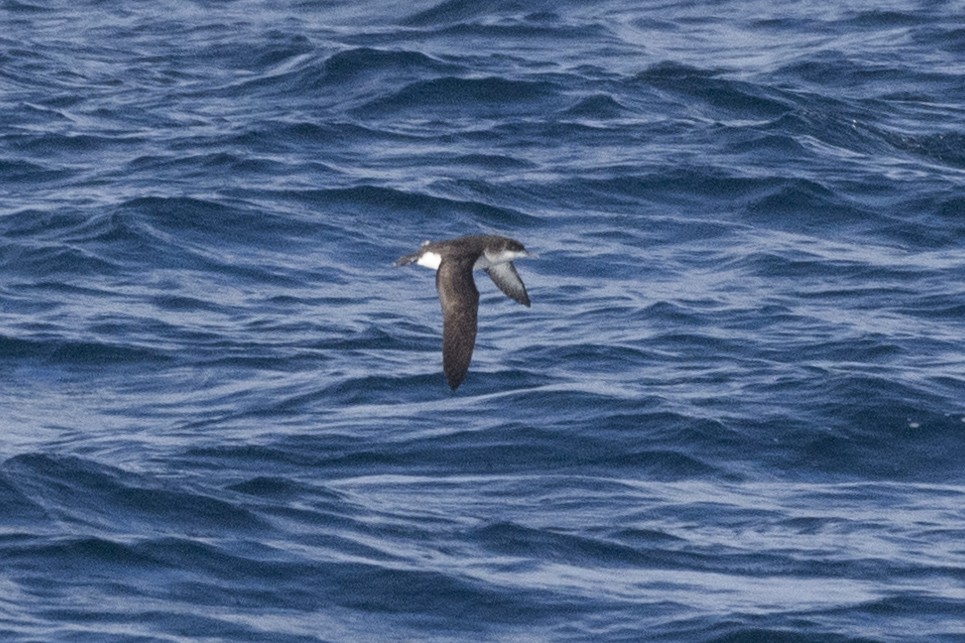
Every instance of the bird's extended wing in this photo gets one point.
(460, 304)
(505, 276)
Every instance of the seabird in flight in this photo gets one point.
(454, 260)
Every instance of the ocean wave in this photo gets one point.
(732, 411)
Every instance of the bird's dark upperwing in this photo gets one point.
(460, 304)
(505, 276)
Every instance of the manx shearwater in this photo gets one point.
(454, 260)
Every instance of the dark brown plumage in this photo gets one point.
(454, 261)
(460, 308)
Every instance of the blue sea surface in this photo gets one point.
(734, 412)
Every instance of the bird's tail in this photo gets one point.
(406, 260)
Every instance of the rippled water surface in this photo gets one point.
(734, 411)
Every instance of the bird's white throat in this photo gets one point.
(488, 259)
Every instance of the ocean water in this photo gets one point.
(734, 412)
